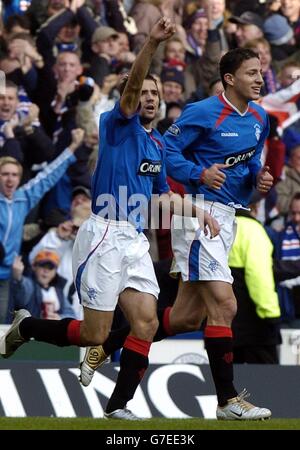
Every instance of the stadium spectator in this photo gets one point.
(15, 204)
(290, 182)
(42, 292)
(255, 327)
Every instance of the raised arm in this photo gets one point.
(161, 31)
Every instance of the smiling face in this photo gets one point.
(247, 80)
(149, 102)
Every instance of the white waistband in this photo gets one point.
(209, 206)
(221, 206)
(117, 223)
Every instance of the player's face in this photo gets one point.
(248, 80)
(149, 101)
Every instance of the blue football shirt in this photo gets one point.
(130, 167)
(214, 131)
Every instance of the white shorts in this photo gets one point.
(109, 257)
(196, 256)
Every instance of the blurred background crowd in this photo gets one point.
(63, 60)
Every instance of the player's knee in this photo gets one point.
(186, 322)
(189, 324)
(225, 310)
(93, 337)
(229, 308)
(146, 328)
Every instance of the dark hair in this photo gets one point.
(123, 83)
(11, 84)
(296, 196)
(233, 60)
(17, 19)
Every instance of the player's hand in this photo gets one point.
(212, 224)
(213, 177)
(163, 30)
(264, 180)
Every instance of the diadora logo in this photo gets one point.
(233, 160)
(174, 129)
(229, 134)
(149, 168)
(257, 131)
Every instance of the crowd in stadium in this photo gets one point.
(63, 61)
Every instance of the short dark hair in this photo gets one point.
(296, 196)
(232, 61)
(123, 83)
(17, 19)
(11, 84)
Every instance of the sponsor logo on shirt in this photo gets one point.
(233, 160)
(229, 134)
(174, 129)
(149, 168)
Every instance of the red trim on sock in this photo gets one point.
(137, 345)
(215, 331)
(73, 332)
(166, 321)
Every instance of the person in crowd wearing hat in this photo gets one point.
(41, 292)
(197, 27)
(280, 36)
(105, 47)
(249, 26)
(172, 79)
(61, 240)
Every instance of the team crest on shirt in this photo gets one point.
(174, 129)
(257, 131)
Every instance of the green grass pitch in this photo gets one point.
(47, 423)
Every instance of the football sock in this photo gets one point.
(218, 344)
(62, 333)
(133, 364)
(116, 338)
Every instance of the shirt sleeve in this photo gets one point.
(178, 137)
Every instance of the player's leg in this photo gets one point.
(221, 307)
(140, 311)
(93, 330)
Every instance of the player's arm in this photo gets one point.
(183, 206)
(161, 31)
